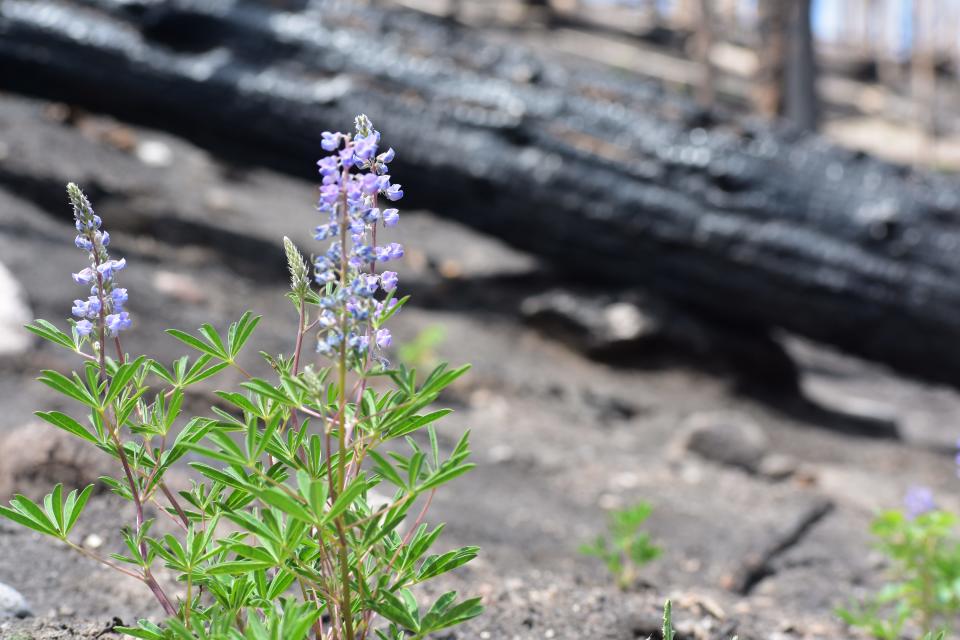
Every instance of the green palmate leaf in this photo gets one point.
(74, 507)
(240, 332)
(72, 388)
(387, 470)
(349, 495)
(437, 565)
(416, 423)
(196, 374)
(51, 333)
(23, 511)
(446, 612)
(267, 390)
(213, 338)
(289, 505)
(397, 610)
(68, 424)
(122, 377)
(198, 344)
(444, 475)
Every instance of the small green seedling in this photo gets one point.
(627, 548)
(924, 590)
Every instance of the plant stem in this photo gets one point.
(346, 607)
(115, 433)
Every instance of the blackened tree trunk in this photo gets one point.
(607, 177)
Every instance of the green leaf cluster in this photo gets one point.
(924, 587)
(626, 547)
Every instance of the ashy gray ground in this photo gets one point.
(762, 502)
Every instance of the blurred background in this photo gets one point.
(701, 253)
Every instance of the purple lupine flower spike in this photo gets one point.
(354, 176)
(106, 302)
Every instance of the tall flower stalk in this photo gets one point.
(289, 463)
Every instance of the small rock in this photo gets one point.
(154, 153)
(589, 323)
(179, 287)
(93, 541)
(777, 466)
(38, 455)
(12, 604)
(451, 269)
(501, 453)
(218, 199)
(727, 438)
(14, 313)
(625, 321)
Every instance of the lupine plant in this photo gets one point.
(279, 535)
(627, 548)
(922, 545)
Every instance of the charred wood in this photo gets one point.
(610, 178)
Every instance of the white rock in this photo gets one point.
(12, 604)
(14, 313)
(154, 153)
(93, 541)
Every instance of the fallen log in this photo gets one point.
(606, 177)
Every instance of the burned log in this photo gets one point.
(606, 177)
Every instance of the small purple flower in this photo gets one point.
(388, 280)
(85, 276)
(84, 327)
(327, 319)
(330, 141)
(119, 297)
(364, 254)
(83, 242)
(358, 342)
(368, 183)
(393, 251)
(390, 217)
(79, 308)
(365, 148)
(918, 501)
(394, 193)
(102, 238)
(117, 322)
(87, 223)
(108, 268)
(387, 156)
(357, 227)
(325, 231)
(347, 158)
(384, 339)
(328, 167)
(329, 193)
(357, 311)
